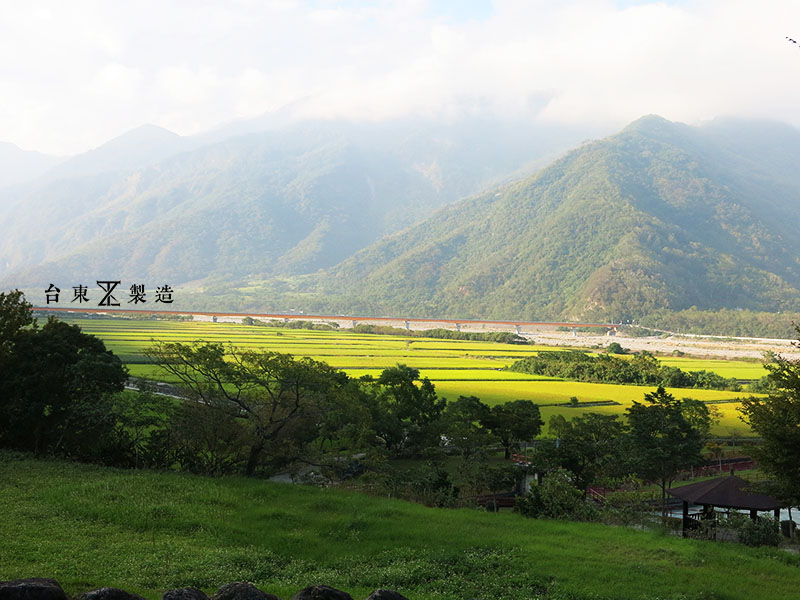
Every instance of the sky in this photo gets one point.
(76, 74)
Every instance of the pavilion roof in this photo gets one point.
(726, 492)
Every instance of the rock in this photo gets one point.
(34, 588)
(185, 594)
(108, 593)
(386, 595)
(321, 592)
(241, 591)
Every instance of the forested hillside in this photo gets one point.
(662, 216)
(659, 218)
(153, 206)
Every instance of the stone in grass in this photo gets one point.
(386, 595)
(185, 594)
(321, 592)
(34, 588)
(108, 593)
(241, 591)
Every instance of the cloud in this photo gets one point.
(75, 74)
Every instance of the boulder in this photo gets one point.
(108, 593)
(321, 592)
(241, 591)
(386, 595)
(34, 588)
(185, 594)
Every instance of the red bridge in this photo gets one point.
(304, 317)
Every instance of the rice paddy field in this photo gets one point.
(456, 367)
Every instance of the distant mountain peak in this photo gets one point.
(661, 216)
(146, 132)
(139, 147)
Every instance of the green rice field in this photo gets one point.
(456, 367)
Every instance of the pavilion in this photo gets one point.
(723, 492)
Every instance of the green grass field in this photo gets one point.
(146, 532)
(456, 367)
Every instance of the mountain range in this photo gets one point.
(659, 216)
(474, 219)
(154, 206)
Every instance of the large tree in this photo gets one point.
(776, 419)
(281, 400)
(589, 446)
(407, 410)
(56, 384)
(464, 426)
(666, 437)
(513, 422)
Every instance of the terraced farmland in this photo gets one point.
(456, 367)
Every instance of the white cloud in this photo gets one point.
(74, 74)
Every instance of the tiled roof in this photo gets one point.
(725, 492)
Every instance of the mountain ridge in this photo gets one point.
(288, 201)
(635, 223)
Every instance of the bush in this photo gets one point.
(557, 498)
(764, 531)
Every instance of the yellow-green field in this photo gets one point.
(456, 367)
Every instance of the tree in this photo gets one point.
(616, 348)
(282, 400)
(143, 427)
(15, 315)
(589, 446)
(209, 439)
(463, 426)
(56, 388)
(407, 410)
(515, 421)
(776, 419)
(663, 440)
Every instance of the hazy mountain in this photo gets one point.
(288, 201)
(659, 216)
(145, 145)
(18, 166)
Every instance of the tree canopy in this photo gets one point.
(56, 384)
(281, 399)
(663, 440)
(776, 419)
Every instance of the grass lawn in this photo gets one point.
(145, 532)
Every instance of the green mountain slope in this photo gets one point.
(660, 216)
(289, 201)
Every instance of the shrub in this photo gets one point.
(557, 498)
(764, 531)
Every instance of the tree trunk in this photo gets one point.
(252, 460)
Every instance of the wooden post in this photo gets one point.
(754, 514)
(685, 520)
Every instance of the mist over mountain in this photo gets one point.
(661, 216)
(145, 145)
(153, 206)
(18, 166)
